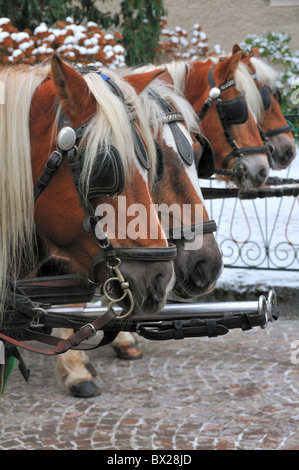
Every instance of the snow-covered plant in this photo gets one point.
(77, 43)
(138, 21)
(275, 47)
(176, 44)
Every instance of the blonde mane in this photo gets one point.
(109, 126)
(264, 73)
(245, 84)
(16, 186)
(112, 123)
(169, 93)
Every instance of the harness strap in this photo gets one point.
(181, 329)
(236, 152)
(49, 170)
(208, 226)
(139, 146)
(72, 342)
(265, 95)
(142, 254)
(18, 301)
(239, 152)
(276, 131)
(172, 117)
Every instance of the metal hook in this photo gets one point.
(125, 286)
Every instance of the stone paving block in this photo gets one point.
(238, 392)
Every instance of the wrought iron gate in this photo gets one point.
(259, 233)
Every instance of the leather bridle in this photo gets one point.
(266, 99)
(112, 256)
(214, 96)
(186, 152)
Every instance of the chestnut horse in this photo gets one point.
(275, 131)
(218, 92)
(181, 158)
(43, 197)
(186, 157)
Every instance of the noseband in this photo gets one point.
(108, 180)
(230, 112)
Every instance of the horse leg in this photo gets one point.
(125, 344)
(74, 371)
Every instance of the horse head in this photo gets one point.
(89, 207)
(182, 156)
(218, 91)
(275, 131)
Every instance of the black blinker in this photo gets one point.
(206, 165)
(160, 162)
(235, 111)
(107, 175)
(277, 96)
(266, 97)
(140, 149)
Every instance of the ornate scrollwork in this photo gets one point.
(258, 236)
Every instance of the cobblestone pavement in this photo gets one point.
(239, 391)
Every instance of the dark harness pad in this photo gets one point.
(160, 162)
(234, 111)
(140, 149)
(107, 176)
(184, 148)
(206, 165)
(277, 96)
(266, 97)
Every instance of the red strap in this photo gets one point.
(72, 341)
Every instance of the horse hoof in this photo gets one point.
(91, 369)
(127, 351)
(85, 390)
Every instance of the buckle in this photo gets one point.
(54, 160)
(93, 332)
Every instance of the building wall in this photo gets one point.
(228, 21)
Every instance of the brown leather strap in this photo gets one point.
(72, 342)
(148, 253)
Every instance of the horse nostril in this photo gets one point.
(262, 175)
(158, 291)
(198, 273)
(290, 153)
(271, 148)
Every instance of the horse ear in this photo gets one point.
(236, 48)
(70, 86)
(227, 68)
(245, 57)
(140, 81)
(255, 51)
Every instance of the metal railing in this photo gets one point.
(259, 233)
(293, 121)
